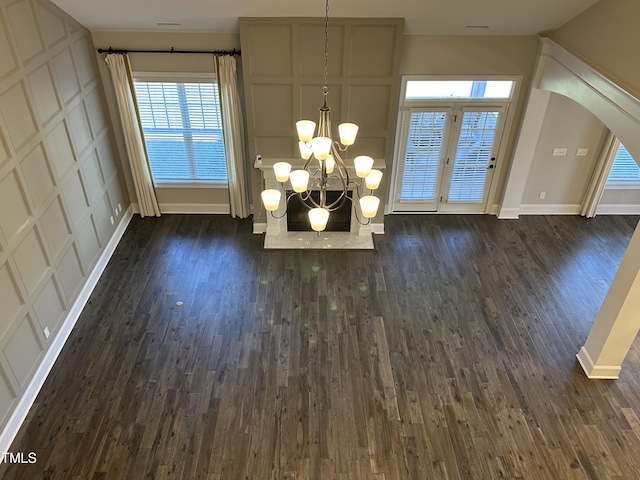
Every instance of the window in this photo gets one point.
(182, 130)
(423, 89)
(625, 170)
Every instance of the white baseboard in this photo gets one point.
(195, 208)
(260, 227)
(509, 213)
(377, 228)
(618, 210)
(33, 388)
(534, 209)
(603, 372)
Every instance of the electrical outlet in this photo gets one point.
(559, 152)
(582, 152)
(116, 211)
(111, 218)
(47, 333)
(119, 208)
(542, 195)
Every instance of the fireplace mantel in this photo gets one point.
(277, 236)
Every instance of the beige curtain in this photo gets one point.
(599, 178)
(142, 180)
(233, 128)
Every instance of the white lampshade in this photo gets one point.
(372, 180)
(348, 132)
(369, 206)
(330, 164)
(299, 180)
(271, 199)
(318, 218)
(282, 169)
(305, 149)
(321, 147)
(363, 165)
(305, 129)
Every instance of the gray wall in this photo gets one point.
(60, 182)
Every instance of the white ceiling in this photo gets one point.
(435, 17)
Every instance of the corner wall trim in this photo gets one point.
(31, 392)
(597, 372)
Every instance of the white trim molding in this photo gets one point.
(535, 209)
(593, 371)
(614, 209)
(33, 388)
(195, 208)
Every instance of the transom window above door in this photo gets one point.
(424, 89)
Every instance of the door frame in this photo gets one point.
(405, 107)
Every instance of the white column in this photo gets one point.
(618, 320)
(534, 116)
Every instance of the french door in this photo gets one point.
(447, 158)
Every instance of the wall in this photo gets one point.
(283, 65)
(171, 200)
(606, 36)
(564, 179)
(60, 185)
(477, 55)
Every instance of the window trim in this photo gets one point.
(619, 184)
(181, 77)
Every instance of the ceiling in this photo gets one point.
(434, 17)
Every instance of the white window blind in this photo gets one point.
(473, 153)
(183, 131)
(422, 158)
(625, 170)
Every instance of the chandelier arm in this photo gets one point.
(286, 203)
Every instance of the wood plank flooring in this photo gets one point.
(447, 353)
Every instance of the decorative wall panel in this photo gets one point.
(92, 177)
(37, 175)
(88, 244)
(60, 150)
(65, 73)
(70, 272)
(55, 226)
(363, 80)
(79, 127)
(31, 261)
(83, 55)
(273, 57)
(17, 116)
(8, 63)
(48, 306)
(44, 94)
(25, 31)
(14, 210)
(11, 301)
(22, 351)
(52, 113)
(53, 28)
(75, 199)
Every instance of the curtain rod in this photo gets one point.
(122, 51)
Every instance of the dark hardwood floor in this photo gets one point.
(447, 353)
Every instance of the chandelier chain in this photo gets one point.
(326, 41)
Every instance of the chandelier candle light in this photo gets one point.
(330, 165)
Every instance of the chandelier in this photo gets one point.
(330, 167)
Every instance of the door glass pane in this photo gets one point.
(423, 153)
(473, 153)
